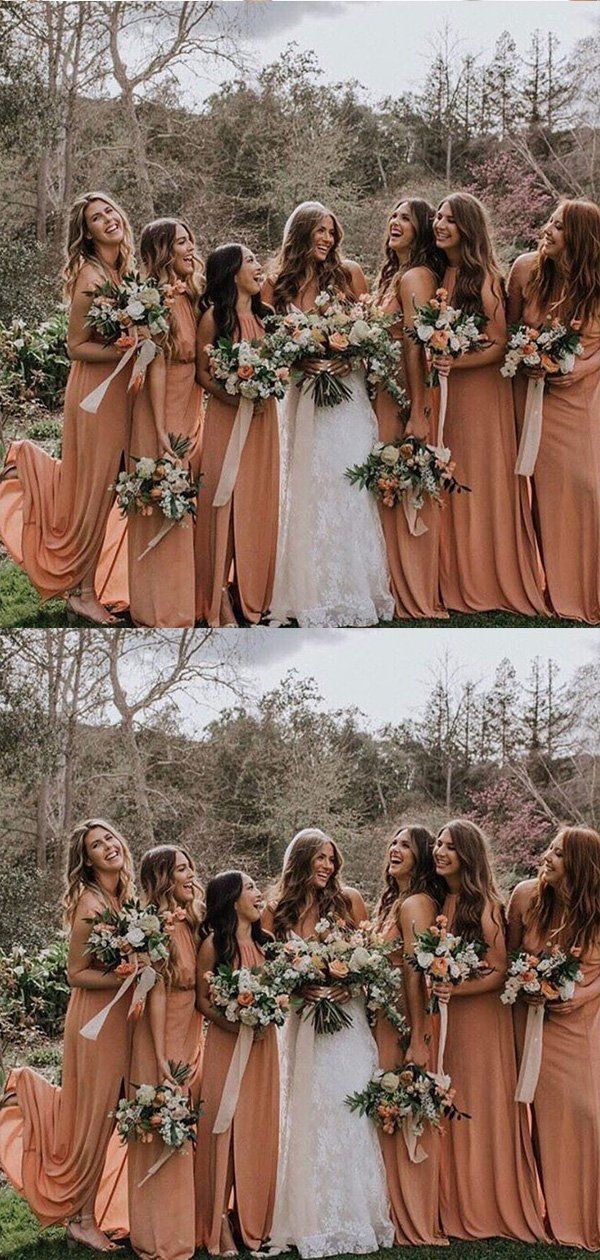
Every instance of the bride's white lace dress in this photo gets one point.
(331, 1187)
(331, 562)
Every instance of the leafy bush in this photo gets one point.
(33, 359)
(34, 991)
(28, 272)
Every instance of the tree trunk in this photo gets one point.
(145, 196)
(41, 211)
(140, 786)
(41, 836)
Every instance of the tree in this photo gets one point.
(502, 705)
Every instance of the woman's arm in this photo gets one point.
(80, 973)
(206, 335)
(79, 343)
(517, 283)
(358, 281)
(417, 287)
(517, 909)
(358, 908)
(207, 961)
(416, 914)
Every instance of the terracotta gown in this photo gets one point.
(161, 586)
(488, 552)
(247, 1152)
(54, 514)
(566, 478)
(54, 1139)
(488, 1177)
(243, 532)
(161, 1213)
(413, 561)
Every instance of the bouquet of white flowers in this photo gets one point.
(548, 976)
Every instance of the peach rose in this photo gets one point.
(245, 371)
(125, 969)
(439, 967)
(245, 999)
(338, 341)
(338, 969)
(156, 492)
(439, 340)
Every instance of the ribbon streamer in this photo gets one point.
(233, 454)
(416, 526)
(146, 350)
(532, 427)
(233, 1080)
(165, 529)
(442, 413)
(416, 1154)
(442, 1042)
(168, 1151)
(532, 1055)
(145, 978)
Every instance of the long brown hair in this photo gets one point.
(289, 271)
(423, 251)
(478, 885)
(579, 904)
(157, 873)
(423, 877)
(478, 259)
(156, 254)
(573, 292)
(80, 246)
(80, 875)
(295, 891)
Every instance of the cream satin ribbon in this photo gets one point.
(416, 1154)
(532, 427)
(233, 1080)
(443, 408)
(416, 526)
(146, 351)
(233, 454)
(165, 529)
(168, 1151)
(440, 1075)
(146, 979)
(532, 1055)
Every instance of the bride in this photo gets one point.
(331, 564)
(331, 1191)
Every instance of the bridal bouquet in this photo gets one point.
(248, 996)
(405, 468)
(117, 940)
(408, 1096)
(446, 330)
(551, 976)
(338, 955)
(117, 312)
(351, 330)
(445, 958)
(552, 347)
(248, 369)
(164, 1111)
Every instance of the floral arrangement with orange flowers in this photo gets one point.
(159, 485)
(445, 958)
(408, 1094)
(552, 975)
(248, 369)
(165, 1111)
(408, 466)
(338, 955)
(553, 347)
(117, 310)
(248, 995)
(446, 330)
(348, 330)
(118, 935)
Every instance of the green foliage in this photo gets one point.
(33, 358)
(28, 287)
(34, 991)
(20, 604)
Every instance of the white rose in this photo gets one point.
(567, 363)
(567, 990)
(150, 922)
(389, 1081)
(359, 958)
(425, 332)
(135, 309)
(145, 467)
(145, 1095)
(359, 332)
(135, 937)
(389, 456)
(424, 958)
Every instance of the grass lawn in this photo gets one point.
(21, 608)
(21, 1239)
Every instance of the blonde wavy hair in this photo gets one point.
(80, 246)
(80, 875)
(156, 254)
(157, 874)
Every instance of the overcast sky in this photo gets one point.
(386, 673)
(385, 44)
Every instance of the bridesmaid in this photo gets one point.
(53, 1140)
(242, 1161)
(409, 903)
(488, 552)
(161, 586)
(488, 1185)
(563, 906)
(54, 513)
(241, 535)
(562, 280)
(161, 1212)
(409, 276)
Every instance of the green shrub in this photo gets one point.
(34, 991)
(33, 359)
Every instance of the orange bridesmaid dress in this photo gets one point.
(161, 1213)
(566, 1108)
(488, 552)
(161, 586)
(243, 532)
(566, 478)
(244, 1158)
(54, 513)
(54, 1139)
(413, 562)
(488, 1186)
(413, 1188)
